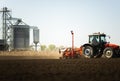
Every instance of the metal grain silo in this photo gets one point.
(36, 35)
(21, 37)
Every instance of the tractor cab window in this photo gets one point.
(94, 39)
(103, 39)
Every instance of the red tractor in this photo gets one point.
(99, 47)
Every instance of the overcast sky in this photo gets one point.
(56, 18)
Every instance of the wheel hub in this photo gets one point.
(87, 52)
(108, 53)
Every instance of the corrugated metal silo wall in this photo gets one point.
(36, 35)
(21, 37)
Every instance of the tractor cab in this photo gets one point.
(97, 39)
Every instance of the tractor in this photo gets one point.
(99, 47)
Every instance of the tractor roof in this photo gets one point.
(102, 34)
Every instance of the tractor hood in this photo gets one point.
(111, 45)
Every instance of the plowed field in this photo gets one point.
(60, 70)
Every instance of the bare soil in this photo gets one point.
(60, 70)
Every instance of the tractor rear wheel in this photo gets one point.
(88, 51)
(108, 52)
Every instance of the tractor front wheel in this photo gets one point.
(108, 52)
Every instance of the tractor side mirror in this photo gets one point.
(108, 36)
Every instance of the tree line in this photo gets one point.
(50, 47)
